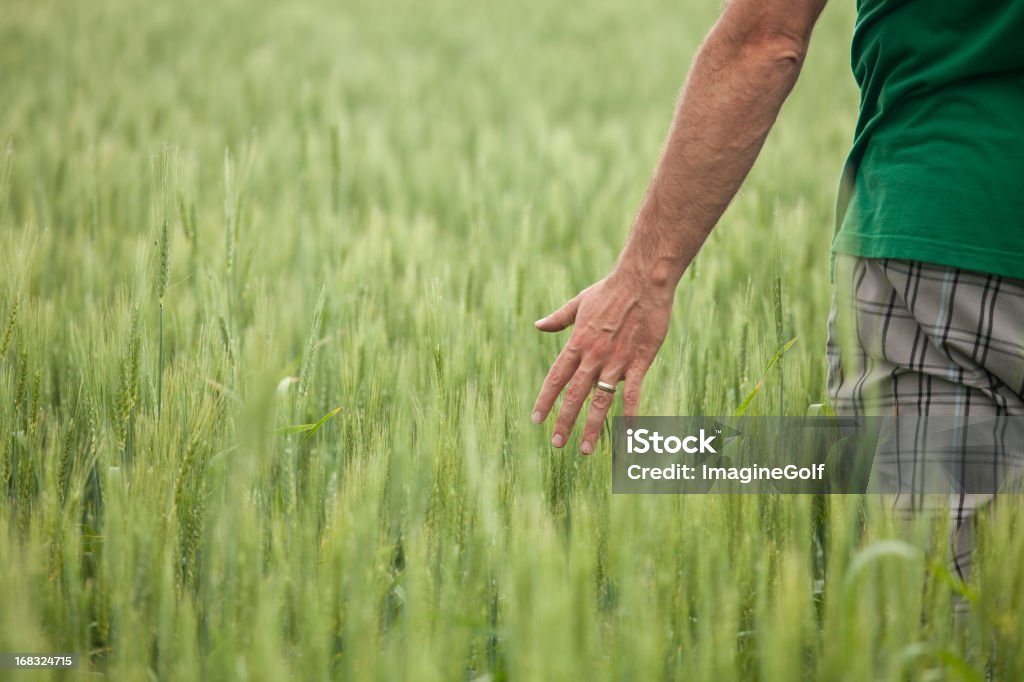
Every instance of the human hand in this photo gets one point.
(619, 323)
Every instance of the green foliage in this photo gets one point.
(776, 359)
(309, 430)
(378, 202)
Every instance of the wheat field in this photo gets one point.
(268, 273)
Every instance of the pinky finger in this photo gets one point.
(631, 393)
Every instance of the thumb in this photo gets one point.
(561, 318)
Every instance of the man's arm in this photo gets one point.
(741, 75)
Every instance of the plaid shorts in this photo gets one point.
(927, 340)
(914, 339)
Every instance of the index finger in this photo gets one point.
(558, 376)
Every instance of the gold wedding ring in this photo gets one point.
(607, 388)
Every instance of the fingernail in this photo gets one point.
(586, 448)
(537, 323)
(558, 441)
(537, 417)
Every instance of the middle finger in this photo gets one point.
(572, 401)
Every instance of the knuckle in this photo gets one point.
(565, 421)
(601, 400)
(631, 397)
(574, 393)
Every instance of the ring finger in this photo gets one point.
(600, 403)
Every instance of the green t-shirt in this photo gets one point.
(936, 172)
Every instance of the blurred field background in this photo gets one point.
(364, 206)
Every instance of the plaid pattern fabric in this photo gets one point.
(914, 339)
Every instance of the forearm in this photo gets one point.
(735, 89)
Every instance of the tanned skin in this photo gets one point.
(740, 77)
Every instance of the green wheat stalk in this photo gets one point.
(6, 176)
(309, 353)
(164, 193)
(12, 320)
(161, 289)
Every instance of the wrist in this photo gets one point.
(647, 258)
(657, 276)
(656, 252)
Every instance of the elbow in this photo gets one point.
(764, 40)
(775, 49)
(769, 35)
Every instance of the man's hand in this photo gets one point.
(619, 323)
